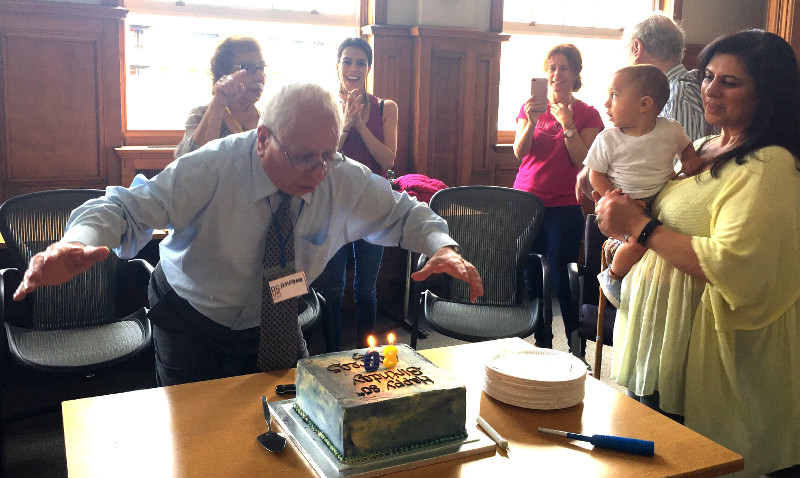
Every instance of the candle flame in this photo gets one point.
(371, 341)
(390, 338)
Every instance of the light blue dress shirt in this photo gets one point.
(215, 200)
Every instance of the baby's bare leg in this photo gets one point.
(626, 256)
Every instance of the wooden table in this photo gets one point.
(209, 429)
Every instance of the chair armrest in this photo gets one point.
(547, 291)
(12, 312)
(142, 265)
(574, 271)
(421, 261)
(132, 282)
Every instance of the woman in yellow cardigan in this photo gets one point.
(709, 324)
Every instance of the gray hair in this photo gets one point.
(281, 109)
(663, 39)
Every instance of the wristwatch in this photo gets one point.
(568, 133)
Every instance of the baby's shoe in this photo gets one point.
(612, 288)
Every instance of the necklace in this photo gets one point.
(233, 118)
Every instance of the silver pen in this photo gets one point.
(501, 442)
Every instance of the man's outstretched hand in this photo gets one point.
(59, 263)
(448, 261)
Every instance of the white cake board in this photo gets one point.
(319, 456)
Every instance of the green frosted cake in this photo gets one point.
(363, 415)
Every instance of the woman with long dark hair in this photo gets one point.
(369, 137)
(709, 325)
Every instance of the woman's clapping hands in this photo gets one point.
(353, 105)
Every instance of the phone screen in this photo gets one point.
(539, 92)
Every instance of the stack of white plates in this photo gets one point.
(542, 379)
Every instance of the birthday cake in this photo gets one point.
(362, 415)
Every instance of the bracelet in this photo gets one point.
(644, 236)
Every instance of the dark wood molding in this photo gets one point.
(782, 18)
(449, 32)
(76, 11)
(362, 14)
(153, 137)
(673, 8)
(506, 137)
(143, 160)
(380, 12)
(496, 16)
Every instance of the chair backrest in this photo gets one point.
(31, 222)
(495, 228)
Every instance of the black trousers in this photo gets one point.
(190, 347)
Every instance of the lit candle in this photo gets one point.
(372, 358)
(390, 353)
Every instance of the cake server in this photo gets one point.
(272, 441)
(610, 442)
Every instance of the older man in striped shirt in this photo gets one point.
(659, 41)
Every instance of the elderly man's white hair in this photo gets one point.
(663, 39)
(280, 112)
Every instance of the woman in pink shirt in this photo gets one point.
(552, 146)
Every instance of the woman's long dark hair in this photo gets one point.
(358, 43)
(772, 64)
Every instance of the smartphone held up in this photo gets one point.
(539, 93)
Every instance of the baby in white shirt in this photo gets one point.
(637, 155)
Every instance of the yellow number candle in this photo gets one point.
(390, 353)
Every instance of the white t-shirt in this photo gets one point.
(639, 165)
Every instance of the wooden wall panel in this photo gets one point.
(38, 153)
(456, 104)
(392, 77)
(60, 96)
(445, 111)
(479, 165)
(446, 85)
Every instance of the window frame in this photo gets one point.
(670, 7)
(151, 137)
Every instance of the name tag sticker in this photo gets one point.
(288, 287)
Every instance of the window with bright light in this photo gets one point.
(168, 48)
(594, 26)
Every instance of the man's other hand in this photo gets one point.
(58, 263)
(448, 261)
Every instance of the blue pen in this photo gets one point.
(610, 442)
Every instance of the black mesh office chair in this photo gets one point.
(495, 228)
(94, 320)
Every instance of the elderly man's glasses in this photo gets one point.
(309, 162)
(250, 68)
